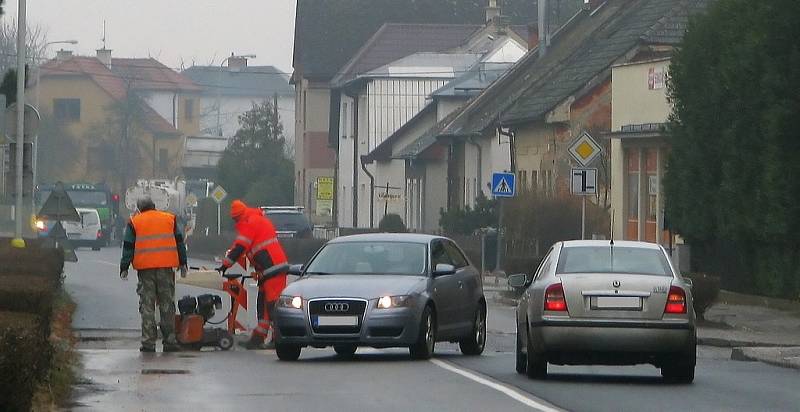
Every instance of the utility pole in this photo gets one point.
(544, 29)
(18, 241)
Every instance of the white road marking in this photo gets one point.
(507, 390)
(104, 263)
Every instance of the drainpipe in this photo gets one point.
(478, 147)
(371, 193)
(355, 160)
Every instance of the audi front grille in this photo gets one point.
(336, 308)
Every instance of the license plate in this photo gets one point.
(337, 321)
(618, 302)
(73, 235)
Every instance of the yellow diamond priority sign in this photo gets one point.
(585, 149)
(219, 194)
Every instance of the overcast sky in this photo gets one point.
(172, 31)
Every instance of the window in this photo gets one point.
(439, 254)
(458, 258)
(188, 109)
(163, 160)
(613, 259)
(67, 110)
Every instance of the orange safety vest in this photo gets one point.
(155, 240)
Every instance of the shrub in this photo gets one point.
(392, 223)
(24, 359)
(705, 290)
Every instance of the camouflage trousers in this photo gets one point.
(157, 287)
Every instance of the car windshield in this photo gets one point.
(373, 258)
(606, 259)
(288, 221)
(87, 198)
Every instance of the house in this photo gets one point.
(374, 104)
(93, 96)
(327, 36)
(548, 99)
(229, 91)
(639, 149)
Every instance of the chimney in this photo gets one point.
(493, 12)
(62, 55)
(104, 55)
(237, 62)
(533, 36)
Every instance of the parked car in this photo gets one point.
(289, 221)
(608, 303)
(383, 290)
(87, 232)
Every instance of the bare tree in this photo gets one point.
(36, 40)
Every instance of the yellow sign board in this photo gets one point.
(324, 188)
(585, 149)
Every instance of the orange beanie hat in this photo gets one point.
(237, 208)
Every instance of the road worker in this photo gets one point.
(154, 243)
(257, 240)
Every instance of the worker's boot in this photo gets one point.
(147, 349)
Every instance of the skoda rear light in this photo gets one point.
(554, 299)
(676, 301)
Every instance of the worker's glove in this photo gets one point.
(222, 269)
(184, 270)
(123, 274)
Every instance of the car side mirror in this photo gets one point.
(689, 282)
(443, 269)
(518, 280)
(295, 270)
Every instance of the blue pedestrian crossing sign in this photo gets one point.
(504, 184)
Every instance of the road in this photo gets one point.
(118, 377)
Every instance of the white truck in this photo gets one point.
(168, 195)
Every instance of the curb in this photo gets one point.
(732, 343)
(740, 354)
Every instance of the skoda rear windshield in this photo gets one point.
(608, 259)
(370, 258)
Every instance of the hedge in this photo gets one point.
(29, 281)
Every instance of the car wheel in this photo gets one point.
(345, 351)
(287, 351)
(426, 341)
(535, 364)
(680, 370)
(476, 342)
(522, 359)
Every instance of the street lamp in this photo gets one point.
(219, 86)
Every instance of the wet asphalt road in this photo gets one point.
(118, 377)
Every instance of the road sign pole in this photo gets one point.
(219, 226)
(499, 256)
(20, 140)
(583, 218)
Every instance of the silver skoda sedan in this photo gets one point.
(383, 290)
(606, 303)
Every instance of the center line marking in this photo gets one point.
(513, 393)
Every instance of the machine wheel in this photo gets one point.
(535, 365)
(426, 342)
(476, 342)
(345, 351)
(287, 351)
(522, 359)
(225, 341)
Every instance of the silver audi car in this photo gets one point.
(608, 303)
(383, 290)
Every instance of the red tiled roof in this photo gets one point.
(112, 83)
(150, 74)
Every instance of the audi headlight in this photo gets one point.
(387, 302)
(292, 302)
